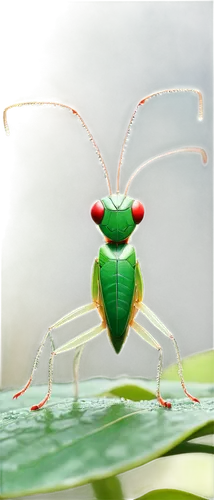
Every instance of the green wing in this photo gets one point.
(117, 283)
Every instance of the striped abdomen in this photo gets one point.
(117, 282)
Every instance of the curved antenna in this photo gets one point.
(35, 103)
(200, 117)
(183, 150)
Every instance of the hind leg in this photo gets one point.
(69, 317)
(76, 362)
(76, 343)
(156, 322)
(150, 339)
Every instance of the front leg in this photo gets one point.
(95, 290)
(95, 281)
(139, 284)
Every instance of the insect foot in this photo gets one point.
(164, 403)
(23, 390)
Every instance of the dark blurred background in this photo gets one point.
(103, 57)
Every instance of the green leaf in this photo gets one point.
(136, 389)
(108, 489)
(169, 495)
(190, 447)
(190, 472)
(75, 442)
(197, 368)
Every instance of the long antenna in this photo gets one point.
(183, 150)
(200, 117)
(35, 103)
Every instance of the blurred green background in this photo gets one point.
(103, 57)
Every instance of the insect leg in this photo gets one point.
(78, 341)
(150, 339)
(95, 281)
(156, 322)
(96, 298)
(139, 284)
(52, 341)
(68, 317)
(77, 356)
(95, 290)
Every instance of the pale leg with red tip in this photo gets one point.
(151, 316)
(150, 339)
(68, 317)
(78, 344)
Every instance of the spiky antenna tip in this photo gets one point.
(204, 157)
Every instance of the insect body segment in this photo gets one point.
(117, 263)
(117, 283)
(117, 223)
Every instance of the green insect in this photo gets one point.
(117, 283)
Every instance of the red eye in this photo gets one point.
(97, 212)
(137, 211)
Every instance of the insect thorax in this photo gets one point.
(117, 223)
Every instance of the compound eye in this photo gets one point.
(97, 212)
(137, 211)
